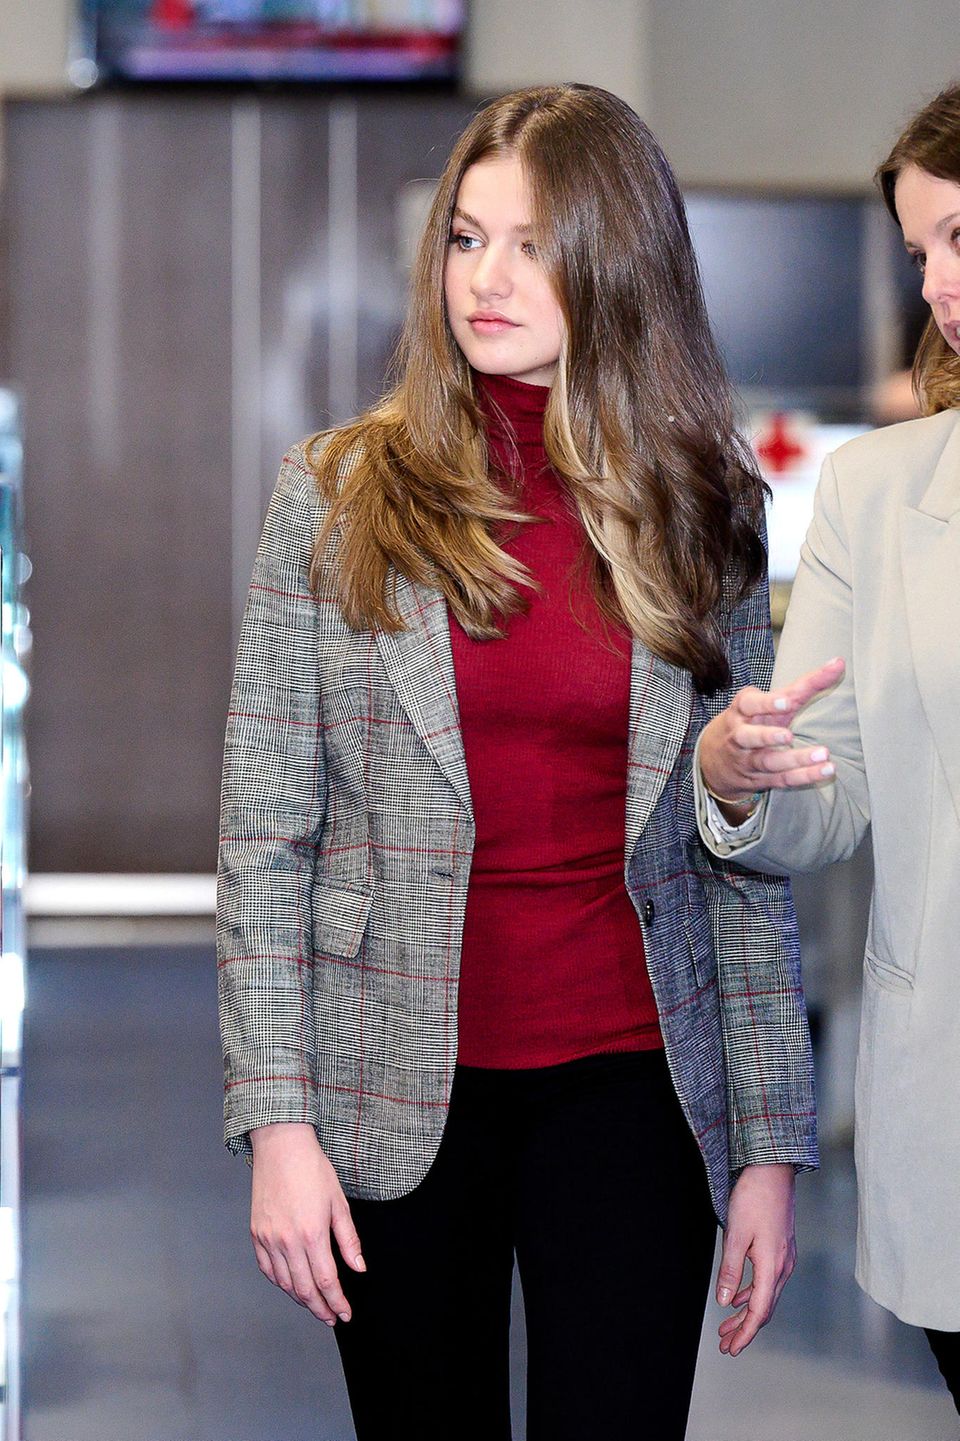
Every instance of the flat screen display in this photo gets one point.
(352, 41)
(784, 283)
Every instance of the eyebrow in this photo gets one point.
(472, 220)
(943, 224)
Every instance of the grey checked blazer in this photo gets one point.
(346, 841)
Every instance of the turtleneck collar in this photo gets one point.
(514, 411)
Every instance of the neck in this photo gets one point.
(514, 411)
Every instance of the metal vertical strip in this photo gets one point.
(104, 219)
(245, 348)
(342, 273)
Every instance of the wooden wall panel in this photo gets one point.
(119, 269)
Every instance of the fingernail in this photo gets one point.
(360, 1263)
(723, 1295)
(785, 738)
(331, 1322)
(827, 770)
(820, 754)
(344, 1315)
(780, 703)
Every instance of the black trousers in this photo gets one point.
(945, 1345)
(588, 1174)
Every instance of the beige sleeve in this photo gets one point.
(803, 830)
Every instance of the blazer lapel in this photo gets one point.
(930, 557)
(661, 697)
(419, 662)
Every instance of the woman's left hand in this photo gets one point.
(760, 1228)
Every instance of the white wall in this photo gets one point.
(805, 92)
(34, 37)
(540, 42)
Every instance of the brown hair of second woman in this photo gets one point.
(931, 142)
(639, 424)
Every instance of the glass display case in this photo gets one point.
(14, 569)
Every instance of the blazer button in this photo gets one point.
(649, 911)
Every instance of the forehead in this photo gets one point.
(923, 201)
(496, 190)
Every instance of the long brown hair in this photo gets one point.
(931, 142)
(639, 423)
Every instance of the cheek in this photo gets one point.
(553, 324)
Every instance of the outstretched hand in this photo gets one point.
(749, 746)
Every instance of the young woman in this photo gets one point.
(478, 973)
(879, 748)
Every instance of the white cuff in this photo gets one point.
(716, 832)
(723, 831)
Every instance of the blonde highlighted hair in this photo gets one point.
(931, 142)
(639, 422)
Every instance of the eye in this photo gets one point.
(955, 238)
(529, 248)
(918, 259)
(464, 242)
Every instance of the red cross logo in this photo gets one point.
(777, 448)
(171, 14)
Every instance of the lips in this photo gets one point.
(490, 322)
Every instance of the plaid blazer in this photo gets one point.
(346, 842)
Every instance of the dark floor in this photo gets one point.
(145, 1318)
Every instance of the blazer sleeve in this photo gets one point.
(273, 809)
(806, 829)
(771, 1109)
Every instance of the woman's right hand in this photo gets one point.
(297, 1202)
(749, 746)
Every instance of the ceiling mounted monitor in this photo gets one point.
(269, 41)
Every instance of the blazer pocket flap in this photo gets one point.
(339, 919)
(886, 974)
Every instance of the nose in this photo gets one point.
(941, 279)
(491, 274)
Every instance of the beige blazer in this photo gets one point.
(879, 583)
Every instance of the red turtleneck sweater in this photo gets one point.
(553, 965)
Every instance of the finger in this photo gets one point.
(787, 758)
(759, 1309)
(804, 776)
(728, 1329)
(347, 1239)
(730, 1273)
(323, 1271)
(803, 690)
(305, 1290)
(731, 1323)
(760, 737)
(753, 702)
(779, 772)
